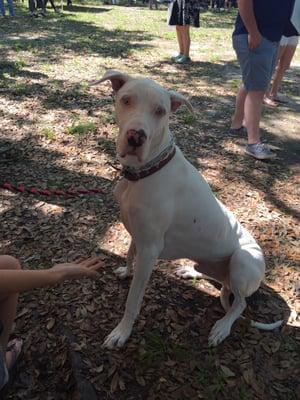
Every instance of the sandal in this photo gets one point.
(14, 347)
(3, 372)
(280, 101)
(237, 131)
(7, 368)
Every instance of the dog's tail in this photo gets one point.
(266, 327)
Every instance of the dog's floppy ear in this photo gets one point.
(178, 100)
(118, 79)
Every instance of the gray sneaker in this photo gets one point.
(259, 151)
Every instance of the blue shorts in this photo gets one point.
(257, 64)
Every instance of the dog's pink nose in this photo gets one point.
(136, 138)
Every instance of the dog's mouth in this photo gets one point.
(132, 151)
(132, 144)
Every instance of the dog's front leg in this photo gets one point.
(145, 261)
(124, 272)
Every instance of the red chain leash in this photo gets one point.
(50, 192)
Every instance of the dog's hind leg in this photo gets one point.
(246, 270)
(224, 297)
(124, 272)
(222, 327)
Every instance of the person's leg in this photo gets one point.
(238, 116)
(41, 5)
(11, 8)
(252, 110)
(186, 40)
(2, 8)
(180, 38)
(8, 302)
(31, 5)
(285, 57)
(257, 66)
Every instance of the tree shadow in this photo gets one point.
(225, 20)
(86, 9)
(15, 69)
(168, 349)
(65, 35)
(56, 219)
(213, 114)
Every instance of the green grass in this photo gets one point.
(81, 128)
(48, 133)
(154, 350)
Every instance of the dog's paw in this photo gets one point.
(122, 272)
(219, 332)
(117, 337)
(188, 272)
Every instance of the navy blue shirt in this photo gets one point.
(290, 30)
(272, 17)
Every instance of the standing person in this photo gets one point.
(258, 30)
(10, 8)
(287, 49)
(183, 14)
(32, 4)
(14, 280)
(52, 5)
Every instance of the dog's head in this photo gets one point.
(142, 110)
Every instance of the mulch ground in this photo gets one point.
(167, 356)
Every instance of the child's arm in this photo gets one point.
(13, 281)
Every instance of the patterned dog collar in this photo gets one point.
(134, 174)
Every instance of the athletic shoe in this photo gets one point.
(176, 57)
(260, 151)
(183, 60)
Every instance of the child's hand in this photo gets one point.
(78, 269)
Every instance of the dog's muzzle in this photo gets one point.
(136, 138)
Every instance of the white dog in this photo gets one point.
(170, 211)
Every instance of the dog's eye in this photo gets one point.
(126, 100)
(160, 111)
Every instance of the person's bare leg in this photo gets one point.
(8, 308)
(238, 116)
(286, 54)
(8, 302)
(253, 107)
(185, 32)
(179, 38)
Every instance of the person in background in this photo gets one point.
(287, 49)
(153, 3)
(14, 280)
(218, 4)
(258, 30)
(33, 6)
(52, 5)
(10, 8)
(183, 14)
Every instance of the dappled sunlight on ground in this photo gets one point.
(57, 132)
